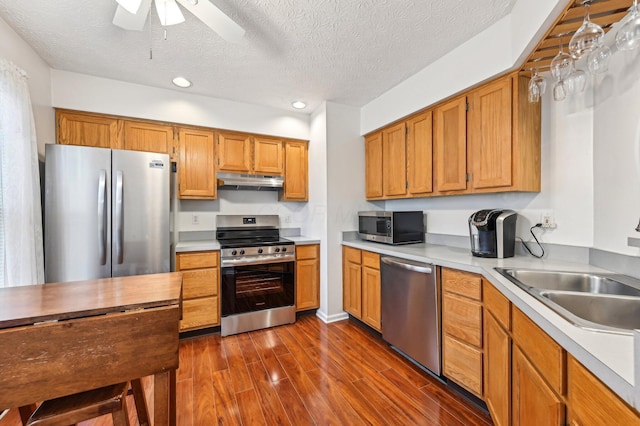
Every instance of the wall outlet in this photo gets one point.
(195, 219)
(548, 220)
(287, 219)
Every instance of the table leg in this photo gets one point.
(164, 399)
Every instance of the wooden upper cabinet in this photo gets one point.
(489, 135)
(86, 129)
(419, 154)
(234, 152)
(296, 171)
(151, 137)
(268, 156)
(450, 145)
(394, 165)
(196, 171)
(373, 165)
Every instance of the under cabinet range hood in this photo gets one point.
(249, 182)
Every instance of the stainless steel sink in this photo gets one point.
(602, 302)
(618, 312)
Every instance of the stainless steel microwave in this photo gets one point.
(391, 227)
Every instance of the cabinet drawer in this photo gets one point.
(463, 283)
(499, 305)
(462, 318)
(591, 402)
(200, 313)
(307, 252)
(203, 259)
(199, 283)
(463, 364)
(351, 254)
(543, 352)
(372, 260)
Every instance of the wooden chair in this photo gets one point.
(78, 407)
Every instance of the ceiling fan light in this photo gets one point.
(169, 12)
(131, 6)
(181, 82)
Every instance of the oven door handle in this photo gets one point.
(264, 260)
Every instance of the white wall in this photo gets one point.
(15, 49)
(95, 94)
(617, 153)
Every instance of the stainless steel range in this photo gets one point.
(258, 273)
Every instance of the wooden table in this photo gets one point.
(61, 338)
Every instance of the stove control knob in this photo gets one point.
(277, 249)
(241, 251)
(260, 251)
(233, 252)
(284, 249)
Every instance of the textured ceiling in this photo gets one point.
(345, 51)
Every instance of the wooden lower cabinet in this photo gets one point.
(534, 402)
(307, 277)
(591, 402)
(200, 289)
(462, 357)
(361, 285)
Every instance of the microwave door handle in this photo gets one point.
(102, 217)
(119, 214)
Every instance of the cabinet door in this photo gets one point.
(497, 371)
(351, 282)
(149, 137)
(88, 130)
(450, 145)
(394, 165)
(307, 277)
(234, 152)
(196, 170)
(534, 403)
(490, 135)
(371, 307)
(419, 154)
(268, 156)
(296, 172)
(373, 166)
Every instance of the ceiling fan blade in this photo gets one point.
(215, 19)
(169, 12)
(131, 6)
(132, 21)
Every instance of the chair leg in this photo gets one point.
(121, 417)
(140, 402)
(25, 412)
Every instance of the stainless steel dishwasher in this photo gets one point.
(411, 310)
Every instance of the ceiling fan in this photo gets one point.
(132, 15)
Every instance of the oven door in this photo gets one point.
(250, 288)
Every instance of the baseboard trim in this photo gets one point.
(331, 318)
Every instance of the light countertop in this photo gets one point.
(187, 246)
(609, 356)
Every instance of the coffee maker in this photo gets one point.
(493, 233)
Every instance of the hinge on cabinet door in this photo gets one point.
(467, 106)
(406, 130)
(468, 177)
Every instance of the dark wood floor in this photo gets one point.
(303, 374)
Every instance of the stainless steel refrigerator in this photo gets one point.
(106, 213)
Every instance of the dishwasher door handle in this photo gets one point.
(411, 266)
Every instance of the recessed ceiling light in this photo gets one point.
(298, 105)
(181, 82)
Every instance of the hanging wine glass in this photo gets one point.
(576, 82)
(559, 91)
(561, 65)
(537, 87)
(587, 37)
(628, 36)
(598, 60)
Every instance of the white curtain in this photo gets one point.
(21, 249)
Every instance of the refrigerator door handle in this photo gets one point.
(119, 222)
(102, 217)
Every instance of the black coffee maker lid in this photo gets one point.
(482, 218)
